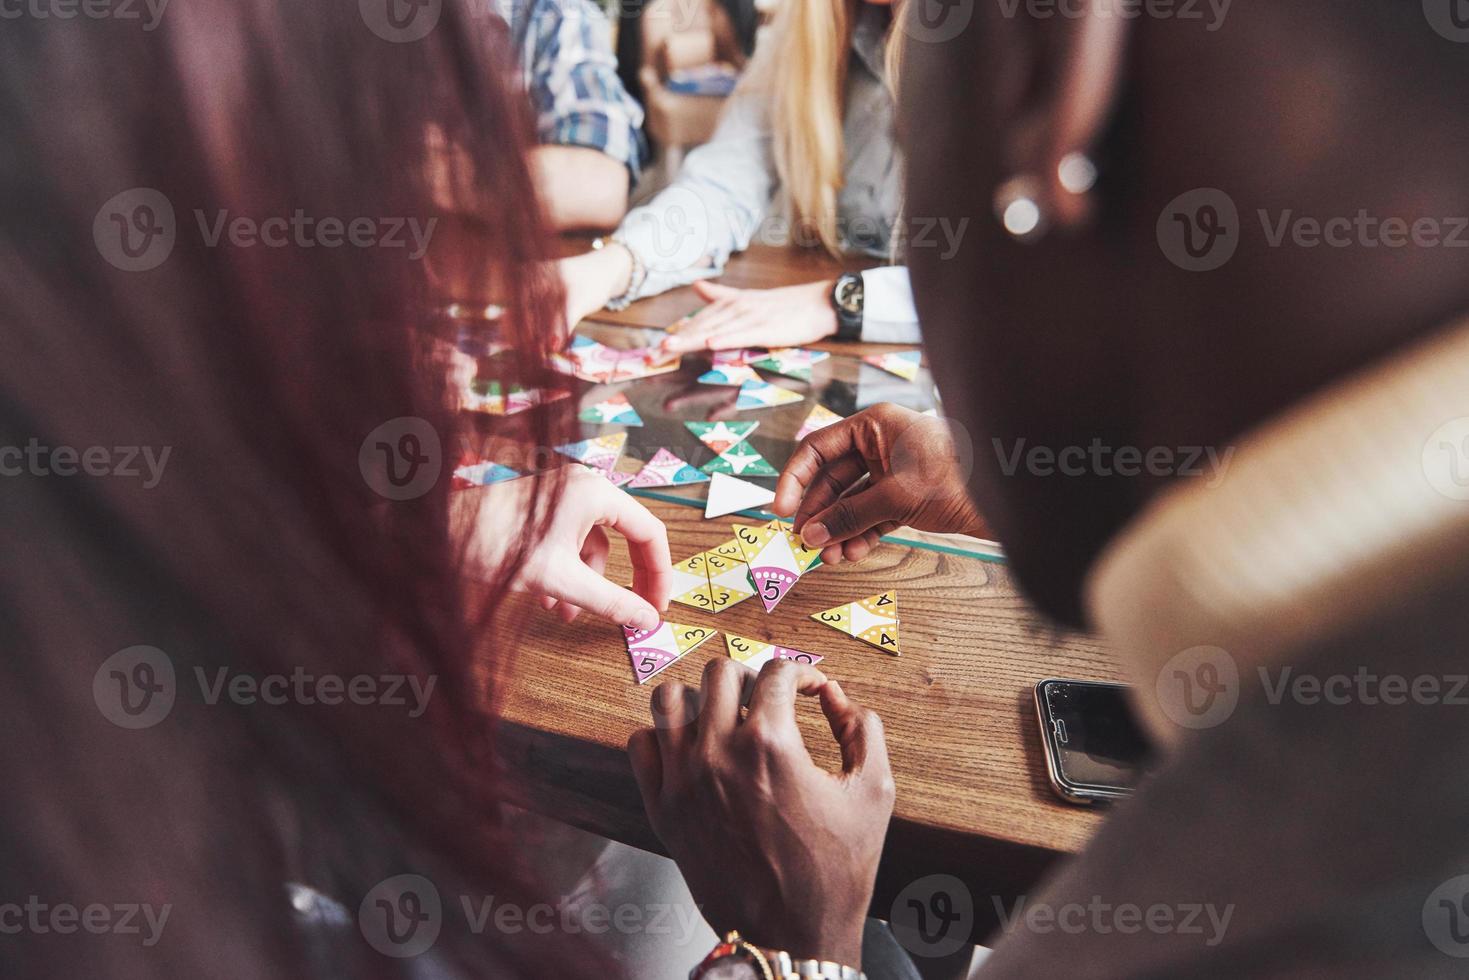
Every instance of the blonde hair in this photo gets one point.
(813, 44)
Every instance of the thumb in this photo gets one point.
(859, 732)
(580, 586)
(854, 513)
(710, 291)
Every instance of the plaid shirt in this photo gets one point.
(570, 73)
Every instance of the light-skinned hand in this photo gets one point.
(785, 317)
(565, 565)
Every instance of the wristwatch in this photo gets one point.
(737, 959)
(846, 300)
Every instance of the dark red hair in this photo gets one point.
(263, 548)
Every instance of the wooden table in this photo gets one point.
(973, 800)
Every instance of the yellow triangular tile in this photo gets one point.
(743, 648)
(729, 580)
(688, 637)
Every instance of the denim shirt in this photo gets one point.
(726, 188)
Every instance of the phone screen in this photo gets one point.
(1097, 741)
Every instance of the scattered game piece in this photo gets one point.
(805, 557)
(742, 460)
(691, 583)
(644, 362)
(666, 470)
(903, 363)
(494, 398)
(729, 375)
(719, 436)
(774, 569)
(654, 651)
(616, 410)
(793, 362)
(729, 577)
(592, 361)
(755, 654)
(763, 394)
(751, 539)
(481, 474)
(872, 620)
(820, 418)
(728, 495)
(600, 453)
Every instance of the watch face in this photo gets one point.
(849, 294)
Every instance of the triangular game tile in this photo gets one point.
(763, 394)
(741, 460)
(872, 620)
(820, 418)
(729, 578)
(755, 654)
(719, 436)
(667, 470)
(774, 570)
(691, 583)
(751, 539)
(600, 453)
(728, 495)
(614, 410)
(729, 375)
(903, 363)
(654, 651)
(482, 474)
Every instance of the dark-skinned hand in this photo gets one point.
(884, 468)
(769, 843)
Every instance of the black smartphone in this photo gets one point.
(1095, 749)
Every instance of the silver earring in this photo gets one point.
(1077, 173)
(1018, 208)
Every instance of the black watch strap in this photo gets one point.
(846, 300)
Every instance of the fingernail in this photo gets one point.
(815, 534)
(647, 620)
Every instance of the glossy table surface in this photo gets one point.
(973, 798)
